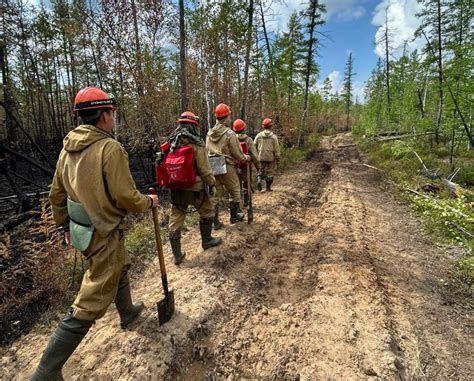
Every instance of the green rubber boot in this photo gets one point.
(127, 310)
(269, 184)
(217, 224)
(61, 346)
(236, 214)
(175, 241)
(208, 241)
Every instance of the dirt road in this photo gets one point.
(334, 280)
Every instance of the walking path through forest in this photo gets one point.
(333, 280)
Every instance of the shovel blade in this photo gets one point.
(166, 308)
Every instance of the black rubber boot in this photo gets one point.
(259, 183)
(208, 241)
(236, 214)
(217, 224)
(175, 241)
(127, 310)
(61, 346)
(269, 185)
(246, 199)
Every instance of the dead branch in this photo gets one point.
(14, 196)
(47, 171)
(458, 212)
(346, 145)
(371, 166)
(461, 229)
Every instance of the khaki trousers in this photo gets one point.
(181, 199)
(267, 170)
(229, 182)
(107, 260)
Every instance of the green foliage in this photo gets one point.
(140, 241)
(446, 218)
(400, 149)
(442, 213)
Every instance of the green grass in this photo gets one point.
(441, 210)
(290, 156)
(140, 238)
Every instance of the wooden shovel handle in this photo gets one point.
(159, 242)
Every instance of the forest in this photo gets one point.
(158, 58)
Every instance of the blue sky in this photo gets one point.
(354, 26)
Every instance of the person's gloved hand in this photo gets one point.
(247, 157)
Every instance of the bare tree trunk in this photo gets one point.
(440, 72)
(243, 108)
(272, 67)
(309, 61)
(387, 65)
(182, 57)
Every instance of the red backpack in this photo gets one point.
(245, 150)
(177, 171)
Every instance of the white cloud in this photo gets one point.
(337, 82)
(344, 10)
(402, 24)
(340, 10)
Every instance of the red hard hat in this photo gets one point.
(267, 122)
(239, 125)
(188, 116)
(91, 98)
(221, 111)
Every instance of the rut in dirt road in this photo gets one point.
(332, 281)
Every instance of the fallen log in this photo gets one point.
(47, 171)
(14, 196)
(405, 136)
(452, 186)
(18, 220)
(29, 181)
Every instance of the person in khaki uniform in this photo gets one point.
(187, 133)
(222, 141)
(239, 128)
(91, 193)
(268, 154)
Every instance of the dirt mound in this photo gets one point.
(333, 280)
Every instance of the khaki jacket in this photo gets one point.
(201, 160)
(251, 148)
(93, 170)
(267, 146)
(222, 141)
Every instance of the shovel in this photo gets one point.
(166, 305)
(249, 191)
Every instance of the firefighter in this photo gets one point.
(222, 141)
(248, 147)
(268, 154)
(187, 133)
(91, 193)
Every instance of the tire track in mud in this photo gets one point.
(331, 281)
(317, 309)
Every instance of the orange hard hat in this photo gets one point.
(238, 125)
(91, 98)
(267, 122)
(188, 116)
(221, 111)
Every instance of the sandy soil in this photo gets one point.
(334, 280)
